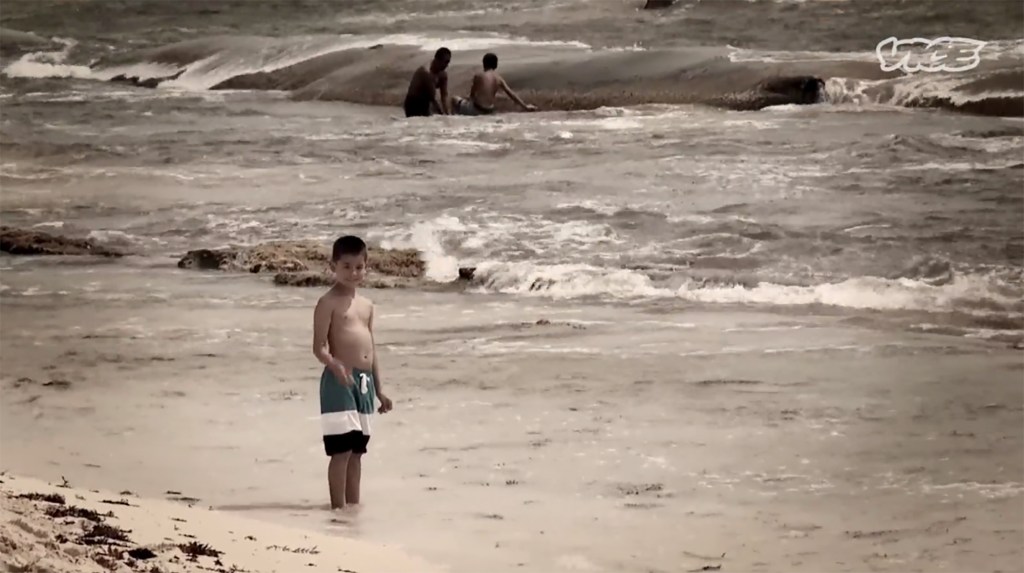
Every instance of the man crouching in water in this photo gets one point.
(485, 88)
(420, 101)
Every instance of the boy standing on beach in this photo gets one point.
(343, 343)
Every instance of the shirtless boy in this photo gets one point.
(343, 343)
(484, 91)
(421, 97)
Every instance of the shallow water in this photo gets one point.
(881, 210)
(675, 438)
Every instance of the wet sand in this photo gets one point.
(604, 438)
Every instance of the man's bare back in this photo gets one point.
(420, 99)
(484, 91)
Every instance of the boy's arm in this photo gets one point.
(515, 98)
(385, 402)
(321, 328)
(445, 100)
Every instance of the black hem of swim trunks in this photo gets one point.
(354, 441)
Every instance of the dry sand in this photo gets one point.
(60, 529)
(605, 438)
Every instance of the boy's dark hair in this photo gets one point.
(348, 245)
(490, 61)
(443, 53)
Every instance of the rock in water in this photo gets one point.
(304, 279)
(290, 256)
(780, 90)
(325, 280)
(150, 83)
(658, 4)
(305, 263)
(22, 242)
(798, 89)
(404, 263)
(206, 260)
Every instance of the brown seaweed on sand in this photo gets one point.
(195, 549)
(47, 497)
(61, 511)
(105, 534)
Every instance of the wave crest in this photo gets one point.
(554, 75)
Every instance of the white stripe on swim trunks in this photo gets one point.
(334, 423)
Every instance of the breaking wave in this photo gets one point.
(374, 69)
(971, 294)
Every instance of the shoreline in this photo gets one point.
(302, 265)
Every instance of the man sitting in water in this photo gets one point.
(420, 101)
(484, 90)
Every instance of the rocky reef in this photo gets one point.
(29, 242)
(306, 263)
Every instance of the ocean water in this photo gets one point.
(866, 201)
(655, 177)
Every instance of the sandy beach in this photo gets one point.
(63, 529)
(524, 431)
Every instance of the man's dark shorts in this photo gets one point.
(418, 108)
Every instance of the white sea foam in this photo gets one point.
(933, 166)
(990, 144)
(564, 280)
(603, 208)
(48, 64)
(247, 58)
(970, 294)
(743, 55)
(911, 90)
(426, 237)
(485, 231)
(613, 123)
(864, 293)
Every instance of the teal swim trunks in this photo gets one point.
(345, 411)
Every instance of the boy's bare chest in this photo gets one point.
(351, 317)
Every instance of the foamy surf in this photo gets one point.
(230, 57)
(49, 64)
(277, 54)
(322, 67)
(979, 293)
(994, 90)
(973, 294)
(563, 281)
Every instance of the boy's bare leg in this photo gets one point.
(355, 472)
(337, 472)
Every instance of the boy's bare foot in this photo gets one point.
(345, 516)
